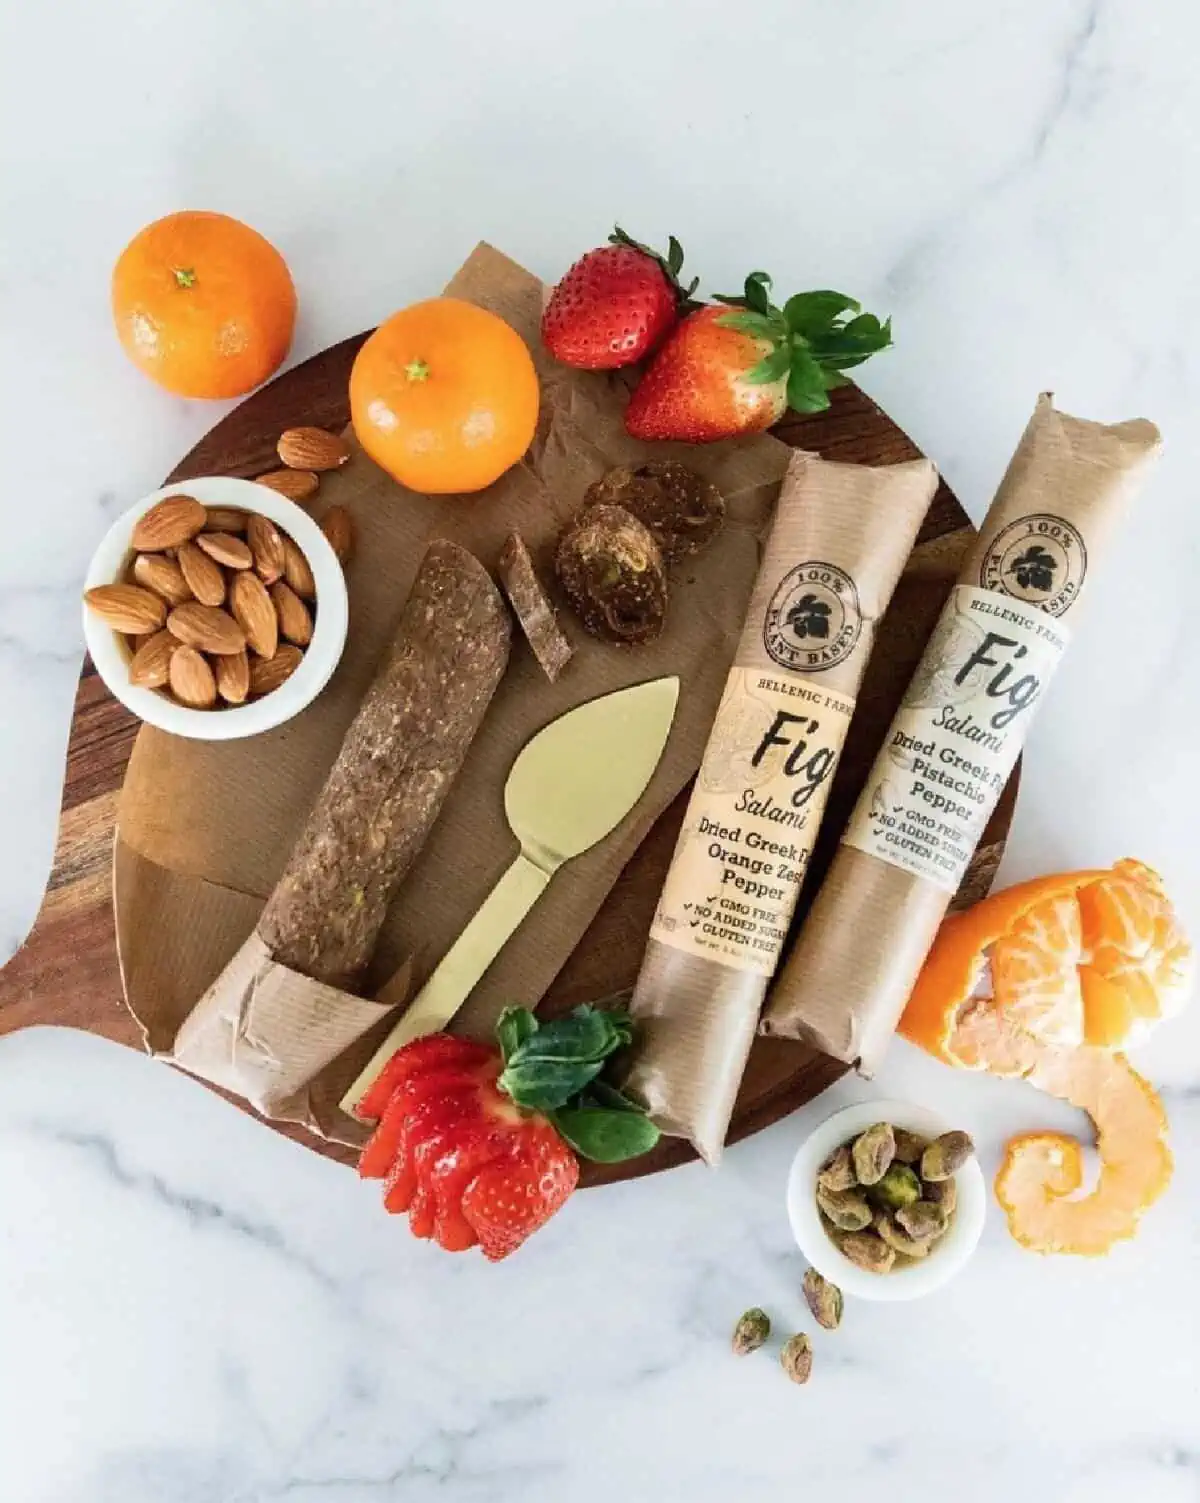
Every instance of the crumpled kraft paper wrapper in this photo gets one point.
(204, 828)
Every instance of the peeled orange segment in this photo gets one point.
(1089, 956)
(1041, 1175)
(1139, 965)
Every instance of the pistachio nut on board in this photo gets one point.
(841, 536)
(958, 732)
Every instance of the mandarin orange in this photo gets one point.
(203, 304)
(444, 396)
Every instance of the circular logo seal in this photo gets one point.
(1040, 559)
(813, 620)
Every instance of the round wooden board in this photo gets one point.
(66, 973)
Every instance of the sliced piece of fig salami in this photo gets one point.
(533, 609)
(614, 575)
(683, 510)
(398, 762)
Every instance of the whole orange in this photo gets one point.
(444, 396)
(203, 304)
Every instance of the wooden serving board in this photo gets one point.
(67, 974)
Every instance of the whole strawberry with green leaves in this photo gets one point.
(615, 304)
(735, 367)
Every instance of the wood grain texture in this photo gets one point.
(66, 973)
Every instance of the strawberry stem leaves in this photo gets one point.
(815, 338)
(554, 1067)
(671, 264)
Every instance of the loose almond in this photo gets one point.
(168, 524)
(312, 449)
(226, 519)
(191, 679)
(157, 572)
(296, 571)
(202, 574)
(267, 674)
(127, 608)
(149, 664)
(295, 620)
(233, 677)
(266, 544)
(254, 612)
(296, 485)
(206, 628)
(338, 526)
(225, 549)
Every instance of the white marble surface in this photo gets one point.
(192, 1309)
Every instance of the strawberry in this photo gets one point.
(734, 369)
(615, 304)
(475, 1143)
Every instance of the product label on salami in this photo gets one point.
(957, 734)
(752, 819)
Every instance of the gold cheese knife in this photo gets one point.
(571, 785)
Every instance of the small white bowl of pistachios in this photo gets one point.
(886, 1200)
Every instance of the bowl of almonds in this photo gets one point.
(886, 1200)
(215, 609)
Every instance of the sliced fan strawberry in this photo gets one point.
(421, 1214)
(508, 1200)
(484, 1142)
(399, 1187)
(379, 1153)
(433, 1051)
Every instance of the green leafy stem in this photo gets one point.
(555, 1068)
(816, 337)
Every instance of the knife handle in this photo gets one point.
(461, 967)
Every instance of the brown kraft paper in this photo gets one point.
(957, 733)
(841, 537)
(205, 829)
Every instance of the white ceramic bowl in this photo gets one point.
(917, 1279)
(111, 658)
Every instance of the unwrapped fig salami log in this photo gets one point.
(396, 766)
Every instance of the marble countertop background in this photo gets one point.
(192, 1309)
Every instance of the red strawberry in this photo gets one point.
(614, 305)
(734, 369)
(698, 388)
(509, 1200)
(421, 1054)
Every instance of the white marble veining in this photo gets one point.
(192, 1309)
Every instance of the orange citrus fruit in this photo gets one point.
(203, 304)
(1040, 1178)
(1094, 957)
(444, 396)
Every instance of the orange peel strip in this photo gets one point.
(1038, 1182)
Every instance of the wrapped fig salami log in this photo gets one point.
(281, 1009)
(841, 537)
(957, 734)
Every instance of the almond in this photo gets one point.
(296, 571)
(268, 674)
(207, 628)
(254, 612)
(312, 449)
(226, 549)
(157, 572)
(204, 578)
(233, 677)
(226, 519)
(296, 485)
(191, 679)
(149, 664)
(295, 621)
(266, 544)
(168, 524)
(127, 608)
(338, 526)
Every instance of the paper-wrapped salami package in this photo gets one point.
(957, 734)
(841, 537)
(283, 1007)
